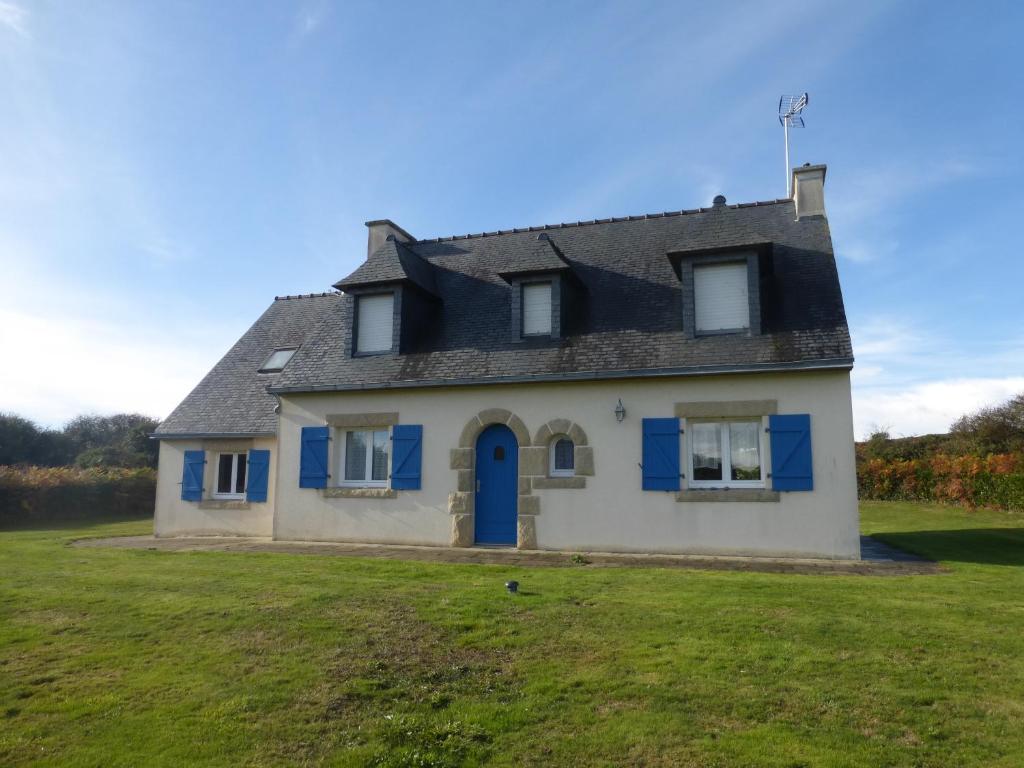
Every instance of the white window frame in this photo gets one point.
(726, 482)
(552, 472)
(522, 307)
(341, 440)
(233, 495)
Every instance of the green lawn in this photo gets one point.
(111, 657)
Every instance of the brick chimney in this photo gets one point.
(809, 190)
(380, 229)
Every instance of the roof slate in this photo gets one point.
(541, 255)
(232, 398)
(393, 262)
(632, 313)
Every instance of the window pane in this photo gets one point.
(224, 473)
(278, 359)
(380, 455)
(240, 476)
(706, 440)
(564, 454)
(355, 455)
(744, 450)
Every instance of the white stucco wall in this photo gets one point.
(175, 517)
(612, 513)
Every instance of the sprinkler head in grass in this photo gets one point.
(512, 587)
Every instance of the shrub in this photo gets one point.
(992, 481)
(40, 494)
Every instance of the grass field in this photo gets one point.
(111, 657)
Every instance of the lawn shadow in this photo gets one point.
(986, 546)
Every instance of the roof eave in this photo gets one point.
(208, 435)
(837, 363)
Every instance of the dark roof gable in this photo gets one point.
(392, 263)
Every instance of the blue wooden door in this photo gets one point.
(497, 486)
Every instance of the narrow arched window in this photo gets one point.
(563, 462)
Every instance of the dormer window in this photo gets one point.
(277, 361)
(375, 322)
(721, 303)
(536, 309)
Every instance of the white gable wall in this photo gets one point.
(174, 517)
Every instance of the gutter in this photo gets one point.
(837, 363)
(208, 435)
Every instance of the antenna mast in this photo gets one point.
(790, 108)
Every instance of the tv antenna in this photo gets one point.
(790, 108)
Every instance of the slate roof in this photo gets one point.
(632, 316)
(392, 262)
(232, 399)
(541, 255)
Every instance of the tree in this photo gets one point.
(23, 442)
(995, 429)
(121, 440)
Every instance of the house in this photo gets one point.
(675, 382)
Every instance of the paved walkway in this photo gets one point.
(879, 559)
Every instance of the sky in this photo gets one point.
(166, 169)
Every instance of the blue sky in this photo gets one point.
(166, 169)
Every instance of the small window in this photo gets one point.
(230, 476)
(278, 360)
(537, 309)
(726, 454)
(720, 297)
(365, 460)
(563, 459)
(374, 322)
(499, 453)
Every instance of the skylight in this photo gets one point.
(278, 359)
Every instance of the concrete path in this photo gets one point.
(879, 559)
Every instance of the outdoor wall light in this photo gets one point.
(620, 411)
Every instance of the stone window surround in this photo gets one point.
(212, 447)
(533, 472)
(359, 421)
(726, 409)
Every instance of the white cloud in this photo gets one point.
(913, 381)
(308, 20)
(56, 367)
(927, 407)
(14, 17)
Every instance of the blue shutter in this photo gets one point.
(192, 476)
(661, 455)
(313, 457)
(406, 456)
(791, 452)
(259, 469)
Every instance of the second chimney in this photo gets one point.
(809, 190)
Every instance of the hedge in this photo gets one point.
(991, 481)
(40, 494)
